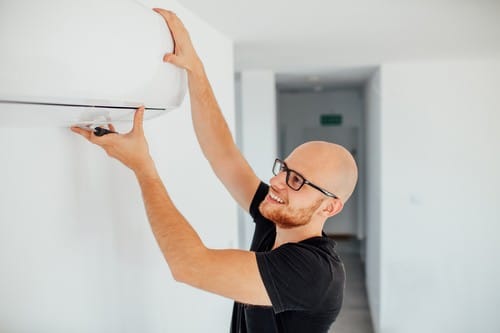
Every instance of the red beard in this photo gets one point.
(286, 217)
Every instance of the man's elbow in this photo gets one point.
(177, 273)
(188, 270)
(183, 275)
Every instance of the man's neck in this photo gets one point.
(295, 235)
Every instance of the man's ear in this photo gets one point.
(332, 207)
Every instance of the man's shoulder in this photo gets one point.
(320, 249)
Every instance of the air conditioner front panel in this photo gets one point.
(93, 52)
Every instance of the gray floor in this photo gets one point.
(355, 314)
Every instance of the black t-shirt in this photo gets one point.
(304, 280)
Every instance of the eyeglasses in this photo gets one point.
(295, 180)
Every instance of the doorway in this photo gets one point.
(299, 121)
(299, 114)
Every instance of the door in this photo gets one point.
(346, 222)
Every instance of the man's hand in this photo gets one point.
(184, 53)
(131, 148)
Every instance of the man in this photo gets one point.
(292, 280)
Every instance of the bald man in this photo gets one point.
(291, 280)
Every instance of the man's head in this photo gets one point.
(326, 165)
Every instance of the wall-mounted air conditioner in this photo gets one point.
(67, 62)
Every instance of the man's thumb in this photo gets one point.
(172, 58)
(138, 119)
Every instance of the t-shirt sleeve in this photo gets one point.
(259, 196)
(296, 277)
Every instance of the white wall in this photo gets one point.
(299, 121)
(257, 138)
(439, 230)
(373, 199)
(76, 250)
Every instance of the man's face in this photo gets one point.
(288, 208)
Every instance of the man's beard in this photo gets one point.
(287, 218)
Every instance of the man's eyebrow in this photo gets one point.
(300, 173)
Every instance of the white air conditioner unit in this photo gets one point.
(83, 62)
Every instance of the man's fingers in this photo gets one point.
(164, 12)
(167, 15)
(174, 24)
(138, 120)
(85, 133)
(90, 136)
(184, 53)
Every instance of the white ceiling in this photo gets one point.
(321, 36)
(326, 79)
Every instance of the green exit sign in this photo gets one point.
(331, 119)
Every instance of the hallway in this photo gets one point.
(355, 314)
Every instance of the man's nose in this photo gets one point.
(278, 181)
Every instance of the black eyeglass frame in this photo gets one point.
(286, 169)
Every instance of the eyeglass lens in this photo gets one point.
(277, 167)
(293, 179)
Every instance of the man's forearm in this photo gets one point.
(180, 244)
(211, 128)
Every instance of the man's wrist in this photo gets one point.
(146, 170)
(197, 69)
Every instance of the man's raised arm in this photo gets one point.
(209, 124)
